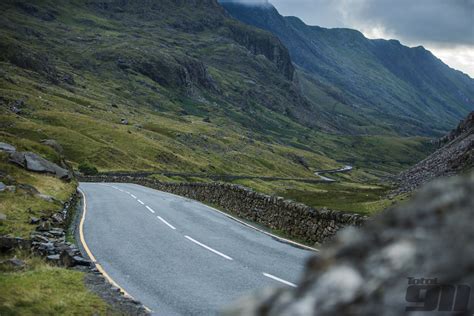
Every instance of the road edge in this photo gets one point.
(92, 257)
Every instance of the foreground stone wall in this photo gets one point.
(296, 220)
(398, 262)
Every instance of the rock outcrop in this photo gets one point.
(33, 162)
(263, 43)
(455, 155)
(7, 148)
(366, 271)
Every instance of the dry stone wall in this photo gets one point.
(296, 220)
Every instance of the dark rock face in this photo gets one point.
(455, 155)
(33, 162)
(295, 219)
(365, 271)
(376, 77)
(178, 71)
(261, 43)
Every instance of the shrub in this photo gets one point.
(88, 169)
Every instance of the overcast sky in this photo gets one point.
(445, 27)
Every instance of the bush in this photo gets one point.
(88, 169)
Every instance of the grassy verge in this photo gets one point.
(41, 289)
(38, 288)
(22, 204)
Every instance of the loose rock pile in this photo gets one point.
(455, 155)
(49, 239)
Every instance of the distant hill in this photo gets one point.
(358, 83)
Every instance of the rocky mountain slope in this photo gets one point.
(166, 85)
(362, 84)
(455, 155)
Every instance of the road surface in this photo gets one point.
(178, 256)
(319, 173)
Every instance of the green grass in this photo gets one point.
(365, 199)
(41, 289)
(20, 205)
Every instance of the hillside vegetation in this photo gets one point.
(196, 91)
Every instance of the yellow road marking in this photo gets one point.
(91, 256)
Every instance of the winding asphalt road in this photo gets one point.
(178, 256)
(319, 173)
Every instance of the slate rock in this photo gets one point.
(44, 226)
(34, 220)
(13, 264)
(46, 198)
(28, 188)
(54, 258)
(36, 163)
(39, 238)
(3, 217)
(10, 188)
(7, 148)
(18, 158)
(3, 187)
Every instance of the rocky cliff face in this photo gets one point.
(260, 43)
(367, 271)
(404, 90)
(455, 155)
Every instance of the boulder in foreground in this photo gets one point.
(378, 269)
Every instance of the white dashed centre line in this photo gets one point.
(169, 225)
(268, 275)
(209, 248)
(150, 209)
(133, 196)
(139, 201)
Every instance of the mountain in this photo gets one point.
(167, 85)
(402, 90)
(455, 155)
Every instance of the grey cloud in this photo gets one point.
(442, 21)
(436, 21)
